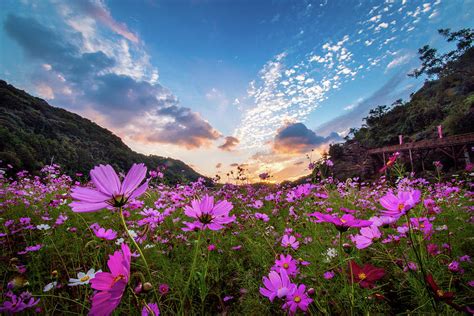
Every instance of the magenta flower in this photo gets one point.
(109, 190)
(108, 234)
(151, 309)
(286, 263)
(297, 299)
(290, 241)
(208, 215)
(111, 285)
(396, 206)
(18, 303)
(342, 223)
(277, 284)
(366, 237)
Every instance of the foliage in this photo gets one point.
(220, 272)
(33, 134)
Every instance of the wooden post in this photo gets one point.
(411, 159)
(466, 156)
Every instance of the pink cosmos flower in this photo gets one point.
(208, 215)
(366, 237)
(297, 299)
(328, 275)
(151, 309)
(342, 223)
(261, 216)
(109, 190)
(396, 206)
(277, 284)
(111, 285)
(286, 263)
(290, 241)
(108, 234)
(18, 303)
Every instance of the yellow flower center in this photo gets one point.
(440, 293)
(297, 299)
(118, 278)
(362, 276)
(286, 265)
(401, 206)
(84, 278)
(343, 220)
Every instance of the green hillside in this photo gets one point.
(33, 134)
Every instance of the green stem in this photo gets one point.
(191, 272)
(139, 251)
(418, 258)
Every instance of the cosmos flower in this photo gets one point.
(109, 191)
(297, 299)
(83, 278)
(207, 214)
(289, 241)
(111, 285)
(108, 234)
(277, 284)
(262, 217)
(396, 206)
(342, 223)
(366, 275)
(366, 237)
(18, 303)
(286, 263)
(150, 309)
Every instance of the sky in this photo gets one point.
(219, 83)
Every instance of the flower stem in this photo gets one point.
(191, 273)
(139, 251)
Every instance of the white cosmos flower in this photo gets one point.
(43, 227)
(83, 278)
(119, 241)
(48, 287)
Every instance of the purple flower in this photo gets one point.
(108, 234)
(164, 289)
(342, 223)
(18, 303)
(208, 215)
(111, 285)
(328, 275)
(109, 190)
(261, 216)
(290, 241)
(277, 284)
(396, 206)
(366, 237)
(297, 299)
(151, 309)
(286, 263)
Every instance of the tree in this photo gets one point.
(434, 65)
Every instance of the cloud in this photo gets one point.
(230, 143)
(297, 138)
(401, 60)
(98, 11)
(90, 80)
(187, 129)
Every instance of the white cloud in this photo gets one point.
(399, 61)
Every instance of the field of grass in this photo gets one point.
(415, 261)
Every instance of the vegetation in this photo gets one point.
(384, 269)
(33, 134)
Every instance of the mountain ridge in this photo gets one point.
(33, 133)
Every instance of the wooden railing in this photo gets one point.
(447, 141)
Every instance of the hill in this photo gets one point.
(448, 100)
(34, 133)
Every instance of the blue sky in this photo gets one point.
(219, 83)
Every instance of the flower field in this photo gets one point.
(130, 245)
